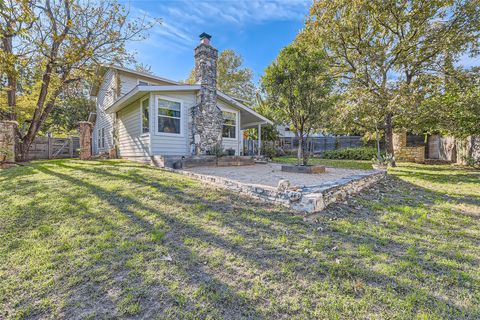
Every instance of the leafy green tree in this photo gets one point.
(72, 106)
(232, 78)
(385, 50)
(298, 88)
(62, 45)
(454, 107)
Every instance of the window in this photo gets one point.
(169, 116)
(229, 124)
(142, 83)
(145, 109)
(103, 137)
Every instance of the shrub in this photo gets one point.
(351, 154)
(217, 150)
(472, 162)
(268, 150)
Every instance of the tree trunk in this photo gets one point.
(300, 148)
(305, 151)
(11, 83)
(26, 141)
(377, 140)
(389, 136)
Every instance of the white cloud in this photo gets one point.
(238, 12)
(183, 18)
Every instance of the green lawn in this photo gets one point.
(113, 239)
(350, 164)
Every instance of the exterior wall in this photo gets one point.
(106, 96)
(115, 85)
(131, 141)
(230, 143)
(172, 144)
(129, 81)
(178, 145)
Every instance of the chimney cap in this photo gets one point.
(205, 35)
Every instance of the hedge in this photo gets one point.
(364, 153)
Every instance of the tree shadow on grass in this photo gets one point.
(273, 249)
(292, 256)
(197, 276)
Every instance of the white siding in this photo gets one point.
(131, 142)
(130, 81)
(171, 144)
(230, 143)
(105, 97)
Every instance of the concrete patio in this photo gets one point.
(301, 192)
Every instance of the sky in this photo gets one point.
(255, 29)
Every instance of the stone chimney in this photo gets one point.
(207, 118)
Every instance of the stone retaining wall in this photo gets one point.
(306, 199)
(404, 153)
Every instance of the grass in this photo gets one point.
(349, 164)
(113, 239)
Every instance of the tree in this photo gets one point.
(383, 50)
(299, 91)
(232, 79)
(16, 19)
(72, 106)
(145, 68)
(65, 42)
(454, 107)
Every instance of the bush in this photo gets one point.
(268, 150)
(351, 154)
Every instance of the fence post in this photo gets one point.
(71, 147)
(85, 129)
(49, 147)
(7, 141)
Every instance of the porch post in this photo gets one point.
(259, 139)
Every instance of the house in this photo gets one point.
(150, 118)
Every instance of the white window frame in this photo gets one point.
(182, 116)
(237, 120)
(99, 138)
(103, 138)
(147, 82)
(141, 116)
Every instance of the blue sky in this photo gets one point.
(255, 29)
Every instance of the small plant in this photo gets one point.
(217, 150)
(5, 154)
(383, 161)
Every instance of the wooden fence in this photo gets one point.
(54, 148)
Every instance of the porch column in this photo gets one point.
(259, 139)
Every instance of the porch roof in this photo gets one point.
(249, 118)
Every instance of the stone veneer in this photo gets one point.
(307, 199)
(7, 141)
(207, 119)
(404, 153)
(85, 130)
